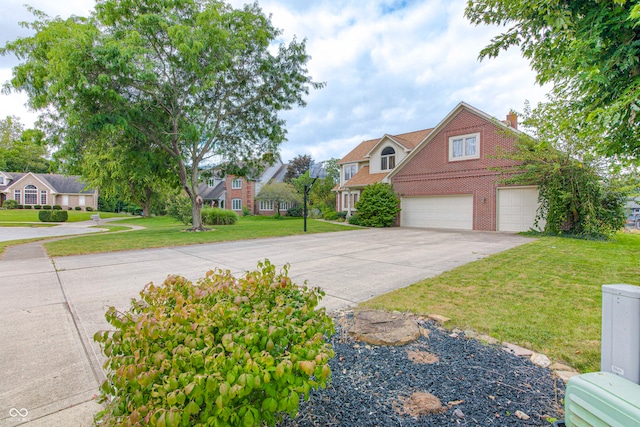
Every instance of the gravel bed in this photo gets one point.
(478, 385)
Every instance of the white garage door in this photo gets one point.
(438, 212)
(517, 208)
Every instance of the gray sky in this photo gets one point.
(390, 66)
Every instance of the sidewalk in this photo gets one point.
(46, 376)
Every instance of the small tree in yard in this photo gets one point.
(278, 193)
(223, 352)
(378, 206)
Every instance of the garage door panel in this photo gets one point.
(517, 208)
(438, 212)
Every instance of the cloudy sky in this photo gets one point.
(390, 66)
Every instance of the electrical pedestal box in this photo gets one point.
(601, 399)
(621, 331)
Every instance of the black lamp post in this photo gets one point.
(315, 171)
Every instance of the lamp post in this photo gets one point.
(315, 171)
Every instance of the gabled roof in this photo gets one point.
(211, 193)
(56, 183)
(364, 178)
(461, 106)
(407, 140)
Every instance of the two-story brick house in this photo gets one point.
(241, 192)
(445, 176)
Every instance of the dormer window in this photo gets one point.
(388, 159)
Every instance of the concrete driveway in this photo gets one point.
(50, 309)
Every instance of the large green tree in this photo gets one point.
(195, 78)
(589, 50)
(124, 168)
(22, 150)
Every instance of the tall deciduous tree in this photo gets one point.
(588, 49)
(195, 78)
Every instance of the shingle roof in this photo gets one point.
(59, 183)
(358, 153)
(364, 178)
(409, 140)
(211, 193)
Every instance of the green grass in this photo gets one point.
(545, 295)
(164, 232)
(31, 215)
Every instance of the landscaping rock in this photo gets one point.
(565, 375)
(517, 350)
(488, 339)
(383, 328)
(561, 367)
(540, 360)
(521, 415)
(438, 318)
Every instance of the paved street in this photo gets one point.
(50, 309)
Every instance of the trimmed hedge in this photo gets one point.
(217, 216)
(57, 207)
(47, 207)
(53, 216)
(10, 204)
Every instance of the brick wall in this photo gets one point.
(246, 193)
(430, 173)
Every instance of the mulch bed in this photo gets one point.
(475, 384)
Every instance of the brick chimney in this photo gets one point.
(512, 120)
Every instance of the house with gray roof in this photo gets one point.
(31, 189)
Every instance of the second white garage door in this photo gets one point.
(438, 212)
(517, 208)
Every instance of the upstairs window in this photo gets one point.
(464, 147)
(30, 195)
(236, 184)
(388, 159)
(349, 172)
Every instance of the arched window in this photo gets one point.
(30, 195)
(388, 159)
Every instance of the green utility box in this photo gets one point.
(601, 399)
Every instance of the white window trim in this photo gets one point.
(236, 184)
(233, 204)
(266, 205)
(464, 138)
(350, 166)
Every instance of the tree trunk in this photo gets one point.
(146, 205)
(196, 214)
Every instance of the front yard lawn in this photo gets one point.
(165, 231)
(545, 295)
(8, 216)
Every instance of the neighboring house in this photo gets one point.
(444, 176)
(46, 189)
(213, 192)
(241, 192)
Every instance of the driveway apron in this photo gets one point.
(51, 308)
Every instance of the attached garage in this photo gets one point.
(438, 212)
(517, 208)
